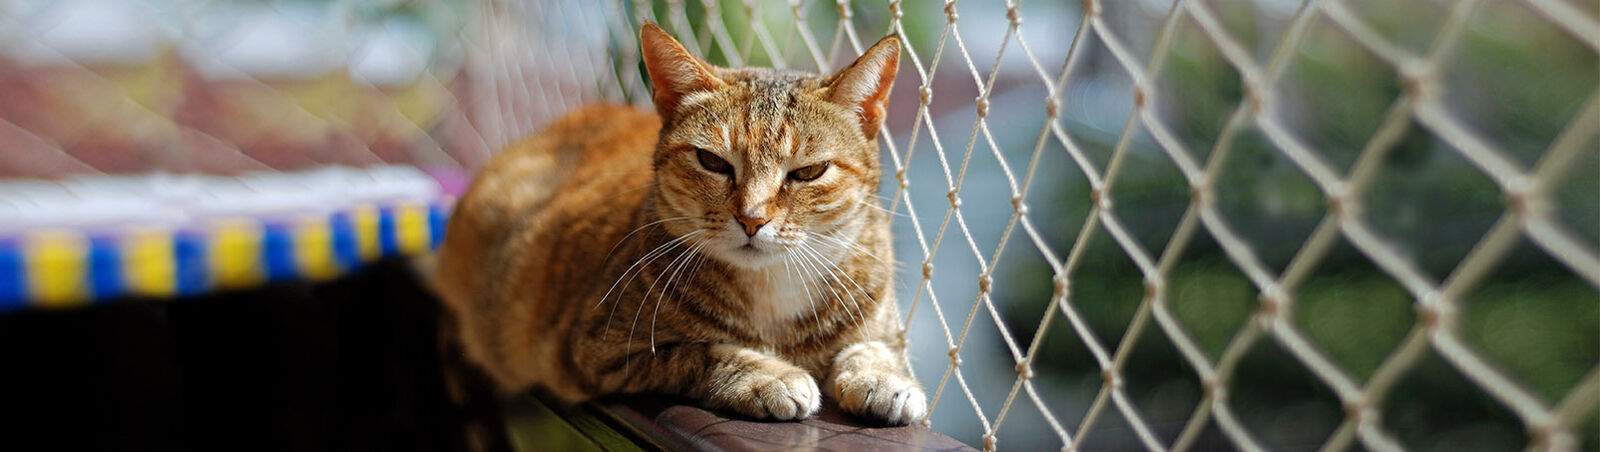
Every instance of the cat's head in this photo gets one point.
(757, 163)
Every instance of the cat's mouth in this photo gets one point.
(751, 249)
(753, 255)
(749, 252)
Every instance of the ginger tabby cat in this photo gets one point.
(728, 247)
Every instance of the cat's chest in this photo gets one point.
(779, 297)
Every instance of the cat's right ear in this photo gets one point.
(674, 73)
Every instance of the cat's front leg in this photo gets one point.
(867, 380)
(721, 376)
(758, 385)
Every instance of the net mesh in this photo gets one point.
(1527, 214)
(993, 115)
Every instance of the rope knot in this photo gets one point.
(1522, 196)
(1271, 300)
(1100, 198)
(1024, 370)
(1111, 378)
(1433, 312)
(1356, 409)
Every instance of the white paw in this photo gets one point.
(788, 396)
(887, 397)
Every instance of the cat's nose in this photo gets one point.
(751, 224)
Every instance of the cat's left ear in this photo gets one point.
(864, 85)
(674, 72)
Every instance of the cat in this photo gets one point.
(728, 247)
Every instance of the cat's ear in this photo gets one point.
(864, 85)
(674, 73)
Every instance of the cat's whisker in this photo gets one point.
(805, 282)
(853, 314)
(881, 209)
(640, 266)
(841, 243)
(833, 245)
(694, 253)
(655, 254)
(816, 260)
(851, 245)
(628, 348)
(831, 287)
(689, 248)
(662, 248)
(836, 272)
(701, 261)
(841, 276)
(641, 228)
(789, 269)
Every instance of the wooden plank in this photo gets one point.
(676, 424)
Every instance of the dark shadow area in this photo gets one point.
(350, 364)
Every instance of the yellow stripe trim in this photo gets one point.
(148, 263)
(313, 249)
(235, 254)
(411, 228)
(57, 266)
(365, 220)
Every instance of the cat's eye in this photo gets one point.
(713, 163)
(809, 173)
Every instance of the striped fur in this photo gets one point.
(601, 256)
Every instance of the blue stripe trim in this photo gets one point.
(106, 280)
(388, 237)
(346, 250)
(13, 294)
(277, 252)
(189, 251)
(438, 217)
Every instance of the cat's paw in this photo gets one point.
(784, 395)
(887, 397)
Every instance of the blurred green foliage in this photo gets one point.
(1513, 78)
